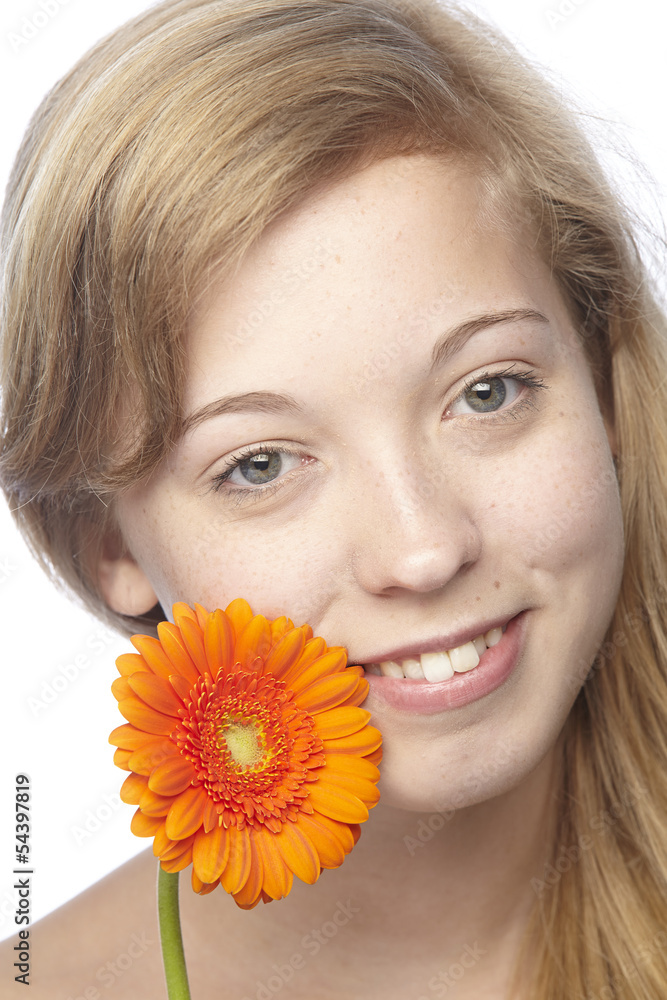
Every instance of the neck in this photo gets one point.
(419, 896)
(453, 877)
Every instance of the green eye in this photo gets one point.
(486, 395)
(262, 468)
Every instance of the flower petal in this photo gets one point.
(146, 758)
(152, 804)
(121, 759)
(128, 663)
(359, 696)
(363, 743)
(129, 738)
(277, 879)
(341, 831)
(219, 643)
(162, 843)
(171, 849)
(253, 640)
(185, 815)
(174, 647)
(313, 649)
(182, 687)
(359, 767)
(201, 615)
(298, 852)
(202, 888)
(341, 721)
(332, 662)
(329, 848)
(133, 788)
(237, 869)
(210, 817)
(120, 688)
(172, 776)
(286, 653)
(210, 853)
(363, 789)
(279, 627)
(251, 893)
(239, 613)
(326, 693)
(156, 692)
(193, 639)
(143, 717)
(182, 610)
(337, 803)
(145, 826)
(154, 655)
(178, 863)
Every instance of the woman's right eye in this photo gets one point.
(257, 469)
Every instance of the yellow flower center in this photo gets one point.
(254, 749)
(244, 743)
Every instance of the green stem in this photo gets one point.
(173, 957)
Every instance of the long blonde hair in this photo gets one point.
(162, 156)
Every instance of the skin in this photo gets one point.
(405, 514)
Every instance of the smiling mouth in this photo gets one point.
(441, 665)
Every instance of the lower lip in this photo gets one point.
(427, 698)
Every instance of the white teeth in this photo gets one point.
(437, 666)
(442, 665)
(391, 669)
(413, 670)
(464, 658)
(493, 636)
(479, 644)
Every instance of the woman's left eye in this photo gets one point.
(490, 393)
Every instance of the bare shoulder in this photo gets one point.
(105, 943)
(107, 936)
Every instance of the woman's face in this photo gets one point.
(394, 436)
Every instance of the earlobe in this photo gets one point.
(122, 583)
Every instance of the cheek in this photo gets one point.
(568, 548)
(288, 572)
(562, 503)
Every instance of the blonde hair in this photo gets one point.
(162, 156)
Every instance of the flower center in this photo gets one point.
(254, 749)
(244, 742)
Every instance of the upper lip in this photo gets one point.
(438, 643)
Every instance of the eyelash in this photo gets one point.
(241, 495)
(527, 379)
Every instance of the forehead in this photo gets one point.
(393, 254)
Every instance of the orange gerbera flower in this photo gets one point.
(250, 757)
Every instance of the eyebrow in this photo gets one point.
(452, 342)
(257, 402)
(263, 401)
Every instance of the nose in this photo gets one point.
(413, 531)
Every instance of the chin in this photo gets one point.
(456, 774)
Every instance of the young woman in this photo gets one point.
(327, 305)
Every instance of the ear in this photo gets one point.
(122, 583)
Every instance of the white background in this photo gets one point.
(58, 662)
